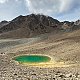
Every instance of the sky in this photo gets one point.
(63, 10)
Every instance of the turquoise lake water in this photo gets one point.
(32, 59)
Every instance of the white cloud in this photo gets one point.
(52, 6)
(61, 9)
(69, 5)
(3, 1)
(43, 6)
(65, 5)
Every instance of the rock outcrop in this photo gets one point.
(34, 24)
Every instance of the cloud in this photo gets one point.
(65, 5)
(69, 5)
(43, 6)
(54, 7)
(3, 1)
(60, 9)
(11, 9)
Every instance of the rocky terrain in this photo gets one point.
(39, 34)
(29, 26)
(61, 47)
(3, 23)
(32, 25)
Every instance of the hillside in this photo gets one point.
(40, 35)
(34, 25)
(28, 26)
(3, 23)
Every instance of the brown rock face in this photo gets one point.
(30, 25)
(3, 23)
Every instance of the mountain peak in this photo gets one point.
(34, 24)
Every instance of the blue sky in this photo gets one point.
(59, 9)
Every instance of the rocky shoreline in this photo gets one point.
(11, 71)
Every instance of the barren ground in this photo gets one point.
(63, 48)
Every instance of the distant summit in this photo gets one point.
(32, 25)
(3, 23)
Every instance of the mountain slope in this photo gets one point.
(33, 25)
(30, 25)
(3, 23)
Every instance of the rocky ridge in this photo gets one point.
(34, 24)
